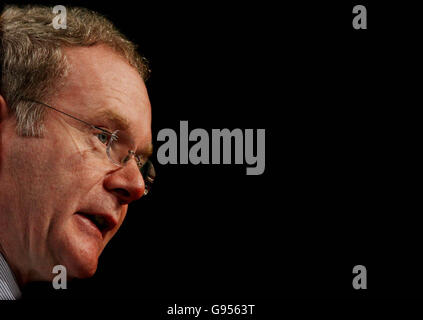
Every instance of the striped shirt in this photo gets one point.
(9, 289)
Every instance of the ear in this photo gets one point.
(4, 111)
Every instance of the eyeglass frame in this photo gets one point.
(148, 181)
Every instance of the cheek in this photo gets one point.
(50, 179)
(77, 168)
(38, 179)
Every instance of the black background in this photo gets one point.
(342, 180)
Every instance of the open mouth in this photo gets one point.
(100, 221)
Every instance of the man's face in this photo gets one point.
(50, 187)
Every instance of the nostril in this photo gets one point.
(122, 193)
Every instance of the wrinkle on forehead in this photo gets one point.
(102, 85)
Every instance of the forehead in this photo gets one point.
(102, 85)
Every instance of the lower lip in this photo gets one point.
(88, 226)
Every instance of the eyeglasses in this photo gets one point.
(117, 149)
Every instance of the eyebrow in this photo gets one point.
(118, 122)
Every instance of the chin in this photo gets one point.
(83, 272)
(77, 248)
(80, 257)
(82, 266)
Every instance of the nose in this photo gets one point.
(126, 183)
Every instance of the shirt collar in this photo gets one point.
(9, 289)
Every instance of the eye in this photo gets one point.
(104, 138)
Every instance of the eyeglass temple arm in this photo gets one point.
(69, 115)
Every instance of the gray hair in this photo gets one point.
(32, 62)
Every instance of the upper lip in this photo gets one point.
(111, 221)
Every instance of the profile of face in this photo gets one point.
(64, 198)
